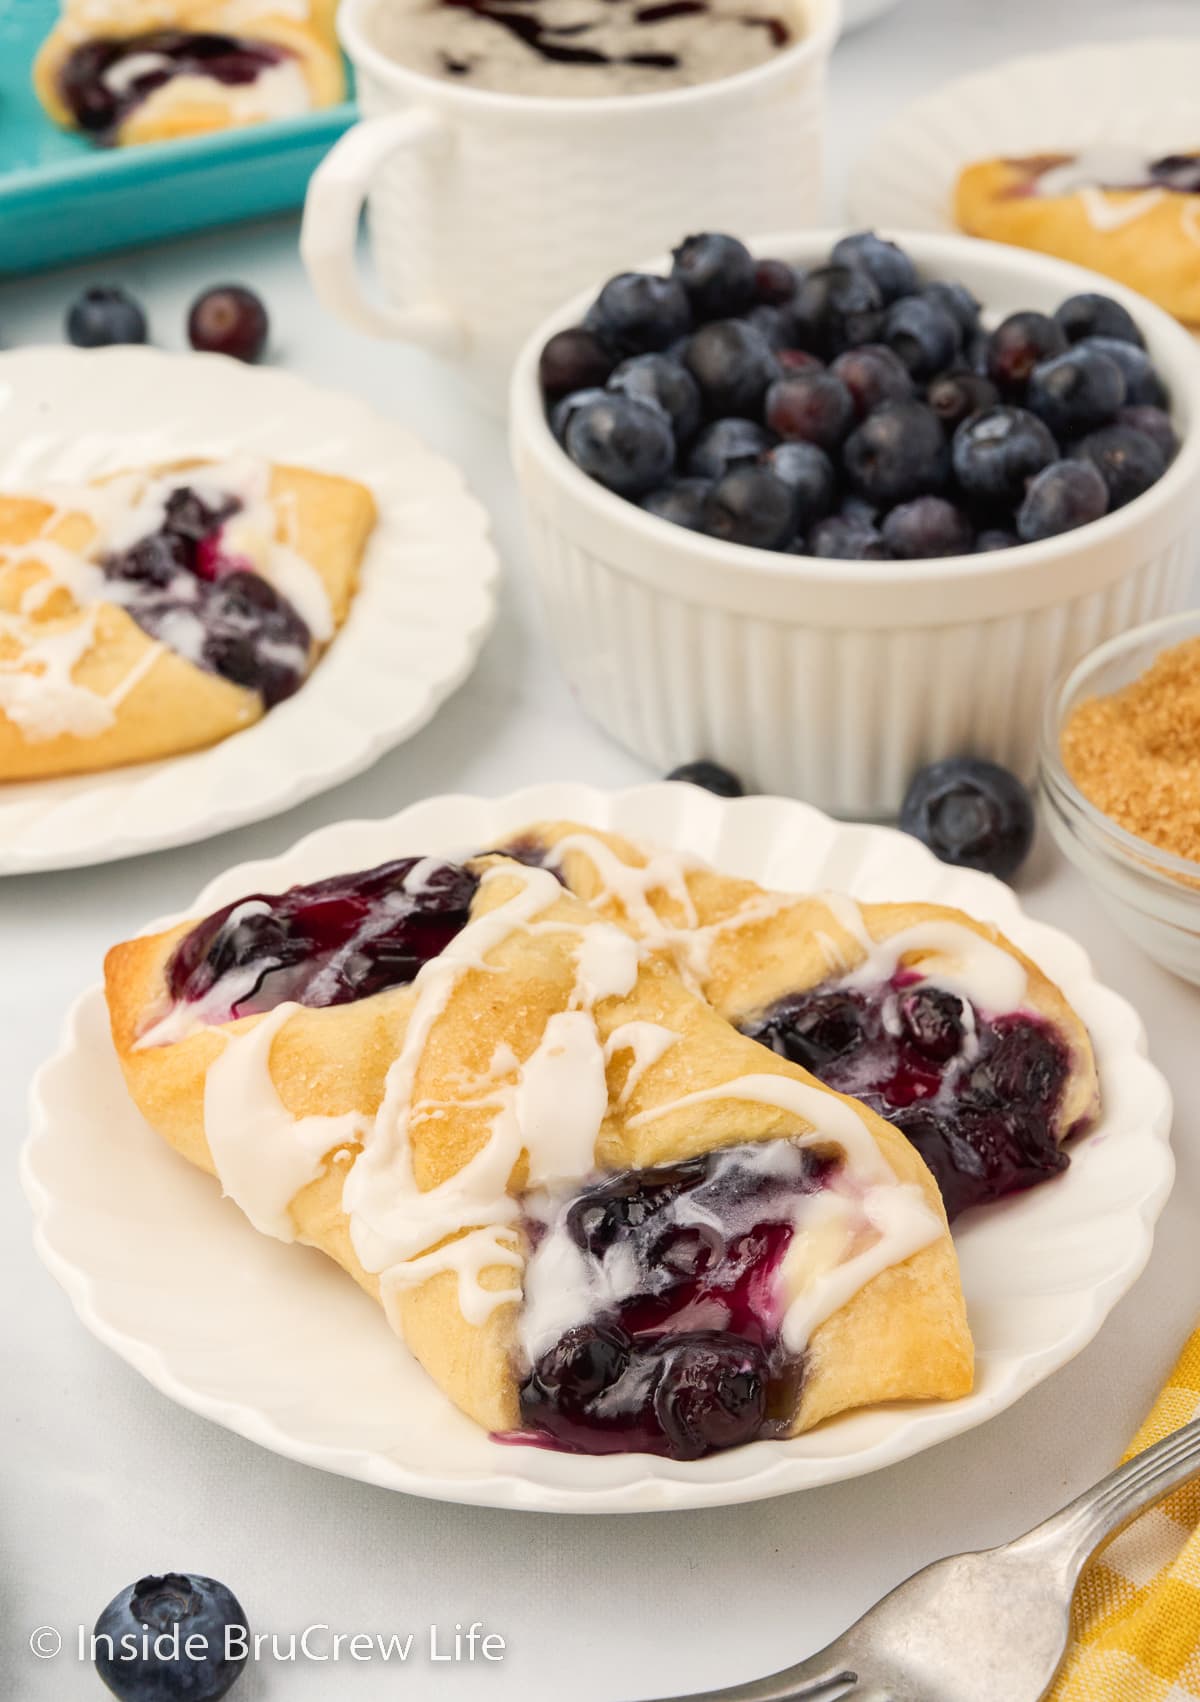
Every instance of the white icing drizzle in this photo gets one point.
(1096, 173)
(38, 692)
(263, 1154)
(969, 964)
(279, 91)
(648, 1041)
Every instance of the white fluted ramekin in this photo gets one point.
(830, 680)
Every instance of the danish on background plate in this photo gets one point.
(600, 1217)
(933, 1019)
(1115, 210)
(127, 71)
(158, 611)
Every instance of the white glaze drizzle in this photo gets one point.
(967, 963)
(38, 692)
(648, 1041)
(1095, 174)
(279, 91)
(264, 1155)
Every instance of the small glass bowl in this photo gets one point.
(1151, 894)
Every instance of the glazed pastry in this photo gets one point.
(600, 1218)
(1114, 210)
(153, 70)
(935, 1020)
(156, 612)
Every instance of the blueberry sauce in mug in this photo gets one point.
(328, 943)
(674, 1277)
(182, 587)
(102, 81)
(978, 1096)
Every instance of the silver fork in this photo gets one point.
(985, 1627)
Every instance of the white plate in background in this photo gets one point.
(424, 604)
(1044, 103)
(277, 1344)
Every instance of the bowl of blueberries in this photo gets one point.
(826, 508)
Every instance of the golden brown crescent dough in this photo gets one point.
(458, 1048)
(196, 105)
(1144, 238)
(83, 687)
(745, 948)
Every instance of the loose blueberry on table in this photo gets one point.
(181, 585)
(328, 943)
(977, 1095)
(711, 777)
(229, 320)
(681, 1353)
(730, 361)
(971, 813)
(153, 1615)
(104, 315)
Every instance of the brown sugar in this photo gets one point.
(1136, 753)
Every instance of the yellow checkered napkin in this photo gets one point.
(1136, 1616)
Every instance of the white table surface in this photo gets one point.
(105, 1480)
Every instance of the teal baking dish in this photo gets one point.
(62, 198)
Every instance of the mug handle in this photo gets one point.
(336, 194)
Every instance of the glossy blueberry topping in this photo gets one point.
(136, 1636)
(683, 1355)
(971, 813)
(98, 100)
(976, 1095)
(328, 943)
(181, 587)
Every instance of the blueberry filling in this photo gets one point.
(181, 587)
(679, 1350)
(329, 943)
(102, 81)
(977, 1096)
(1179, 173)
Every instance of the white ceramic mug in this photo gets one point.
(487, 209)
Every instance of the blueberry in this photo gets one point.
(775, 282)
(1025, 1064)
(1076, 392)
(956, 300)
(971, 813)
(873, 373)
(955, 395)
(621, 1207)
(995, 538)
(836, 308)
(623, 443)
(585, 1361)
(179, 1606)
(809, 474)
(658, 378)
(711, 1393)
(1064, 495)
(840, 539)
(575, 359)
(733, 364)
(1019, 344)
(104, 315)
(229, 320)
(726, 444)
(1156, 424)
(932, 1020)
(775, 324)
(1091, 315)
(922, 334)
(255, 637)
(811, 407)
(711, 777)
(811, 1029)
(1128, 461)
(638, 312)
(799, 360)
(926, 527)
(1143, 386)
(998, 451)
(682, 502)
(750, 505)
(564, 410)
(889, 267)
(898, 452)
(718, 274)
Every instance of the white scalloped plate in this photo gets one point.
(1044, 102)
(275, 1343)
(424, 604)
